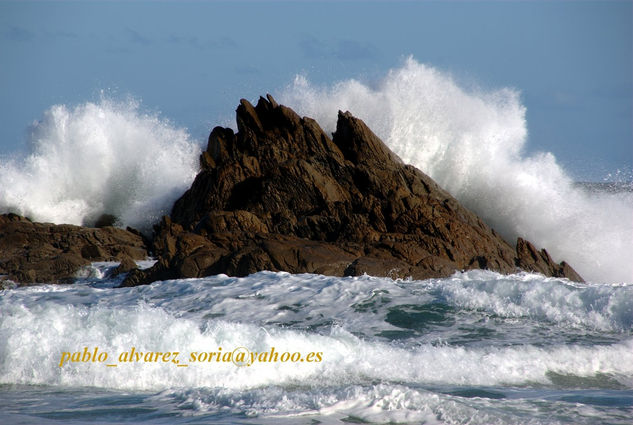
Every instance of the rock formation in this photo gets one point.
(48, 253)
(529, 258)
(282, 195)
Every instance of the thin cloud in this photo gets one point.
(227, 42)
(313, 48)
(354, 50)
(247, 70)
(62, 34)
(17, 34)
(199, 44)
(343, 50)
(137, 38)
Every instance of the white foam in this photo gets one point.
(94, 158)
(557, 301)
(362, 303)
(472, 142)
(110, 157)
(31, 354)
(380, 404)
(38, 324)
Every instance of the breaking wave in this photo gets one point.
(99, 158)
(472, 142)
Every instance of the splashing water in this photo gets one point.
(106, 157)
(472, 143)
(109, 157)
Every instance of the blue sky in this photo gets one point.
(193, 61)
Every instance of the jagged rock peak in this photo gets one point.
(280, 194)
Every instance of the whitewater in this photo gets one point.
(472, 143)
(475, 348)
(107, 157)
(112, 157)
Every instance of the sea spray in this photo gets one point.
(472, 142)
(99, 158)
(110, 157)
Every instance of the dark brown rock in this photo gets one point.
(280, 194)
(105, 220)
(125, 266)
(531, 259)
(48, 253)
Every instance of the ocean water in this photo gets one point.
(271, 348)
(476, 348)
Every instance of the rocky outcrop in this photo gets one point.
(531, 259)
(282, 195)
(48, 253)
